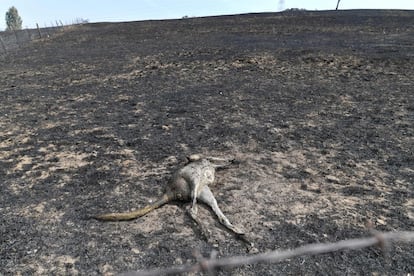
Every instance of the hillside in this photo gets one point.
(316, 107)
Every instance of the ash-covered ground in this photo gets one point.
(317, 107)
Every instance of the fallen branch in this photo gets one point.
(209, 265)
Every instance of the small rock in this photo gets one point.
(135, 250)
(381, 221)
(311, 171)
(332, 179)
(166, 127)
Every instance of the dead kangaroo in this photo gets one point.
(188, 183)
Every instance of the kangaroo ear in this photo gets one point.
(194, 157)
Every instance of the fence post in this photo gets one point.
(2, 44)
(17, 38)
(38, 30)
(337, 5)
(29, 36)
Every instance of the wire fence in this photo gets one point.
(211, 264)
(13, 40)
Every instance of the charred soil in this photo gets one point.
(317, 107)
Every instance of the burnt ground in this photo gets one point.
(317, 107)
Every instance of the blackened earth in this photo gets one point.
(317, 107)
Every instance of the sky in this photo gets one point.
(48, 12)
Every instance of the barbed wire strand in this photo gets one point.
(209, 265)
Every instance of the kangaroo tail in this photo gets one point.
(134, 214)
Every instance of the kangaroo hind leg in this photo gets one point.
(208, 198)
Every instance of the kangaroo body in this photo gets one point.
(188, 184)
